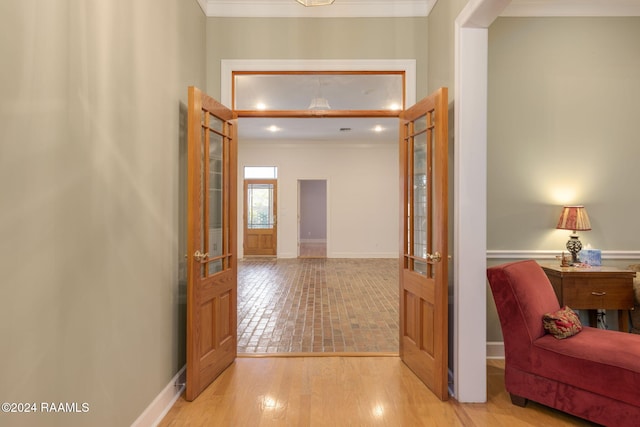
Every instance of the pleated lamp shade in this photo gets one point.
(574, 218)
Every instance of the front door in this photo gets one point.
(423, 241)
(260, 225)
(211, 241)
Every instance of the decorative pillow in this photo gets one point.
(564, 323)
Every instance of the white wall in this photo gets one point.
(362, 193)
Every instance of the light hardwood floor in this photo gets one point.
(347, 391)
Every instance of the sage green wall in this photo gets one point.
(563, 107)
(92, 93)
(441, 71)
(316, 38)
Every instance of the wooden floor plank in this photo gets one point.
(347, 391)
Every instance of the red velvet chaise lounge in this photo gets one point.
(594, 374)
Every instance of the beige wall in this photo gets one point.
(91, 95)
(563, 107)
(316, 38)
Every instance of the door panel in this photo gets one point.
(211, 241)
(260, 221)
(423, 241)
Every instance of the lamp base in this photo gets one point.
(574, 246)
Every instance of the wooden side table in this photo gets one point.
(594, 288)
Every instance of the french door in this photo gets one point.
(423, 241)
(260, 220)
(211, 241)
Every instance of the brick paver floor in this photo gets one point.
(317, 305)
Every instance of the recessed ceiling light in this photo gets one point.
(378, 128)
(394, 106)
(273, 128)
(315, 2)
(261, 106)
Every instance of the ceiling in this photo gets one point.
(340, 8)
(362, 129)
(299, 91)
(396, 8)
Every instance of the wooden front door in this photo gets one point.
(211, 241)
(423, 241)
(260, 210)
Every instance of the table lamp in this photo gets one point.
(574, 218)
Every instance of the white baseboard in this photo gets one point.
(163, 402)
(362, 255)
(495, 350)
(285, 255)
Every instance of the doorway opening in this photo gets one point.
(281, 112)
(312, 218)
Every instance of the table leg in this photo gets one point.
(593, 318)
(623, 320)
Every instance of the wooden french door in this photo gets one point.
(423, 241)
(260, 216)
(211, 241)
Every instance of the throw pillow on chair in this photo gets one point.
(562, 324)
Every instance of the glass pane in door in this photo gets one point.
(419, 210)
(260, 213)
(215, 205)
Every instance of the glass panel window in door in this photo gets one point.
(260, 206)
(215, 218)
(419, 203)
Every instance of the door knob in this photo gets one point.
(199, 256)
(435, 257)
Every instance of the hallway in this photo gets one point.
(340, 308)
(317, 305)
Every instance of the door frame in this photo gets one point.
(228, 66)
(277, 66)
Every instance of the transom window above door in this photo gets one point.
(260, 172)
(325, 92)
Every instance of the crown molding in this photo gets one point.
(523, 8)
(203, 5)
(292, 9)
